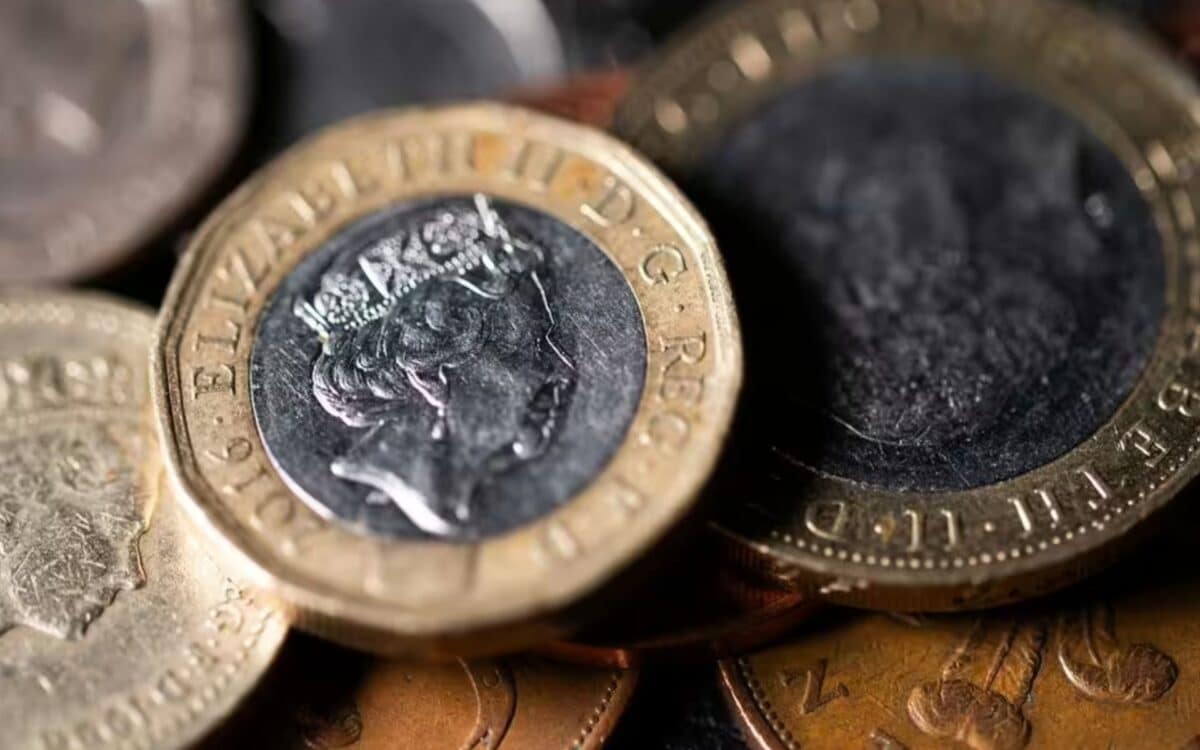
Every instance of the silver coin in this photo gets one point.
(113, 115)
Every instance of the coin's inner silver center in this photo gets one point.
(973, 278)
(443, 369)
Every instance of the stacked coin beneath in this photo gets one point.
(452, 384)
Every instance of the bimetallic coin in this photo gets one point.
(964, 261)
(438, 375)
(1115, 668)
(116, 629)
(113, 115)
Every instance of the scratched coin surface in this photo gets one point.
(439, 374)
(116, 628)
(1114, 666)
(113, 115)
(964, 265)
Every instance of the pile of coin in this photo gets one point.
(566, 374)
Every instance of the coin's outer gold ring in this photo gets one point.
(1039, 531)
(403, 595)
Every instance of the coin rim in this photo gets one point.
(134, 318)
(829, 569)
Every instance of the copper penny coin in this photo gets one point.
(339, 699)
(1111, 666)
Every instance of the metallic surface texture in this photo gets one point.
(965, 261)
(340, 699)
(466, 322)
(981, 280)
(114, 115)
(1109, 666)
(489, 389)
(116, 628)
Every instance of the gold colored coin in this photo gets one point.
(1114, 667)
(956, 398)
(116, 628)
(435, 376)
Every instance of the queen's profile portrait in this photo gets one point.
(69, 526)
(439, 345)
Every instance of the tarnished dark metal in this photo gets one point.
(972, 281)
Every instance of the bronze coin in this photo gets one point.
(1114, 666)
(330, 698)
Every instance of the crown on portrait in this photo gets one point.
(473, 249)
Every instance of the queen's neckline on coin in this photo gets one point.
(149, 644)
(1043, 527)
(111, 186)
(397, 594)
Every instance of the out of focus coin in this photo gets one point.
(438, 375)
(116, 629)
(113, 115)
(966, 265)
(1113, 669)
(326, 61)
(521, 702)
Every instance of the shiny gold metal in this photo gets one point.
(116, 628)
(1042, 529)
(503, 591)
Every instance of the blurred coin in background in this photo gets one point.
(681, 708)
(323, 61)
(438, 376)
(116, 629)
(323, 697)
(963, 259)
(519, 702)
(113, 116)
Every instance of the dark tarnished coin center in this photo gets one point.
(451, 368)
(948, 280)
